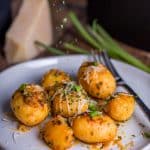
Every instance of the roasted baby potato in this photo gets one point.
(121, 107)
(54, 76)
(68, 99)
(29, 104)
(94, 129)
(57, 134)
(96, 80)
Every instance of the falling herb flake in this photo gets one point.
(60, 42)
(65, 20)
(63, 2)
(62, 26)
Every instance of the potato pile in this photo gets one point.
(74, 114)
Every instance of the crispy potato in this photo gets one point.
(96, 80)
(121, 107)
(29, 104)
(54, 76)
(68, 100)
(57, 134)
(93, 130)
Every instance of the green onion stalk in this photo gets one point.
(100, 39)
(74, 48)
(48, 48)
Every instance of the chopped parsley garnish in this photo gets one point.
(24, 91)
(93, 110)
(92, 107)
(95, 63)
(94, 113)
(22, 87)
(76, 88)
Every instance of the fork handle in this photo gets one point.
(145, 109)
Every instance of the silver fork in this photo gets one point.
(103, 58)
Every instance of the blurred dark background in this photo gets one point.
(126, 20)
(5, 18)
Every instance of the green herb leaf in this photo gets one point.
(93, 110)
(100, 39)
(95, 63)
(114, 48)
(22, 87)
(92, 107)
(94, 113)
(76, 88)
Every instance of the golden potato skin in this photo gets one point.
(96, 79)
(29, 104)
(68, 102)
(121, 107)
(54, 76)
(57, 134)
(93, 130)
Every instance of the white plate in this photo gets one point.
(32, 71)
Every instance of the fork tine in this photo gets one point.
(100, 58)
(95, 56)
(109, 65)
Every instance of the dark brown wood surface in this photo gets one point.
(59, 10)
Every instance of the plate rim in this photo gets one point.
(64, 56)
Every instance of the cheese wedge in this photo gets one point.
(32, 23)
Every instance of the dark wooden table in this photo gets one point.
(59, 11)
